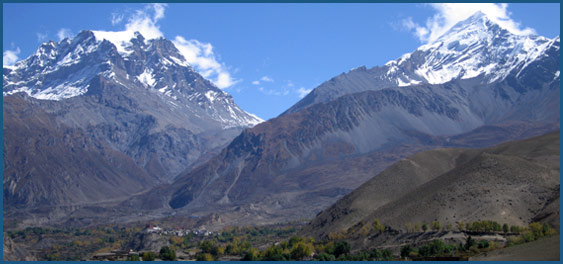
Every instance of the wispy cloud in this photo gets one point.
(64, 33)
(116, 18)
(286, 88)
(10, 57)
(41, 37)
(263, 79)
(280, 92)
(302, 92)
(448, 15)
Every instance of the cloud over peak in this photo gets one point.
(448, 14)
(10, 57)
(198, 54)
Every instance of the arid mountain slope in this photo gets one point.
(510, 183)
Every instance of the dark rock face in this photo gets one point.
(115, 123)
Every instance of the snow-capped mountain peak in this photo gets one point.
(59, 71)
(477, 47)
(473, 47)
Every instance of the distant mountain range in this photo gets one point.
(476, 86)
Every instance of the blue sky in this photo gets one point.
(269, 55)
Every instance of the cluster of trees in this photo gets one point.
(437, 248)
(534, 231)
(211, 250)
(477, 226)
(423, 227)
(340, 251)
(486, 226)
(296, 248)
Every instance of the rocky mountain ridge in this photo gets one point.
(475, 47)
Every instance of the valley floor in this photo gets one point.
(543, 249)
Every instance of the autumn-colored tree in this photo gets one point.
(377, 226)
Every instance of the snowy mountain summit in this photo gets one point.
(69, 68)
(474, 48)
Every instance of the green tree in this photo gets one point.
(436, 247)
(133, 258)
(252, 255)
(424, 227)
(148, 256)
(537, 229)
(516, 229)
(325, 257)
(375, 254)
(294, 240)
(301, 250)
(167, 254)
(341, 248)
(548, 230)
(505, 228)
(469, 242)
(274, 253)
(208, 246)
(386, 255)
(405, 251)
(435, 225)
(483, 244)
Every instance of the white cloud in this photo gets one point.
(116, 18)
(64, 33)
(302, 92)
(202, 58)
(41, 37)
(448, 15)
(256, 82)
(143, 22)
(198, 54)
(10, 57)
